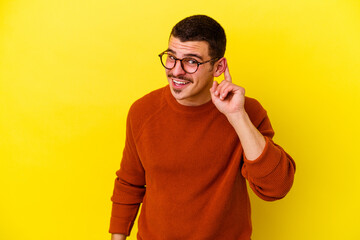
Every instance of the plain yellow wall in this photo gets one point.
(69, 71)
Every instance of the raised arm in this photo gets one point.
(267, 167)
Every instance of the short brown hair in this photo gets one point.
(202, 28)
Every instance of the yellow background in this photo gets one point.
(70, 69)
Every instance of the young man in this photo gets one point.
(191, 145)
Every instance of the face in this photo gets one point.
(190, 89)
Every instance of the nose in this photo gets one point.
(178, 70)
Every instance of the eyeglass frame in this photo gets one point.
(181, 62)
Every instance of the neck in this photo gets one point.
(193, 103)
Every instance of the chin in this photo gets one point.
(178, 94)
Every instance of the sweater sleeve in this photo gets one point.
(271, 175)
(129, 187)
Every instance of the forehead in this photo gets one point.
(187, 48)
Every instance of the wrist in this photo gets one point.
(118, 236)
(235, 117)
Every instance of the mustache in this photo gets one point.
(179, 77)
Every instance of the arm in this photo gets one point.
(252, 141)
(129, 187)
(267, 167)
(271, 174)
(230, 100)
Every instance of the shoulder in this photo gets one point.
(255, 110)
(145, 107)
(149, 102)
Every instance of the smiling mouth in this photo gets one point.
(179, 84)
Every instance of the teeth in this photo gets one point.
(180, 83)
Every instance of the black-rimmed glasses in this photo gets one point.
(189, 65)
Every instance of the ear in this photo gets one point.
(220, 67)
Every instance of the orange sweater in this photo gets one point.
(186, 165)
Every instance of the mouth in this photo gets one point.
(179, 84)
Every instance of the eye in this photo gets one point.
(191, 61)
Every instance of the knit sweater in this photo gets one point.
(187, 168)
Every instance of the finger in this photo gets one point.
(225, 88)
(221, 89)
(220, 86)
(225, 93)
(217, 89)
(214, 87)
(228, 88)
(227, 74)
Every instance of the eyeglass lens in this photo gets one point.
(189, 65)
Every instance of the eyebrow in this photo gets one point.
(186, 55)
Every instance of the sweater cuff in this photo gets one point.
(122, 218)
(265, 163)
(118, 225)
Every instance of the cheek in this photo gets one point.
(203, 78)
(167, 72)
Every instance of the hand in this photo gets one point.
(118, 236)
(228, 97)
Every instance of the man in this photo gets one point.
(191, 145)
